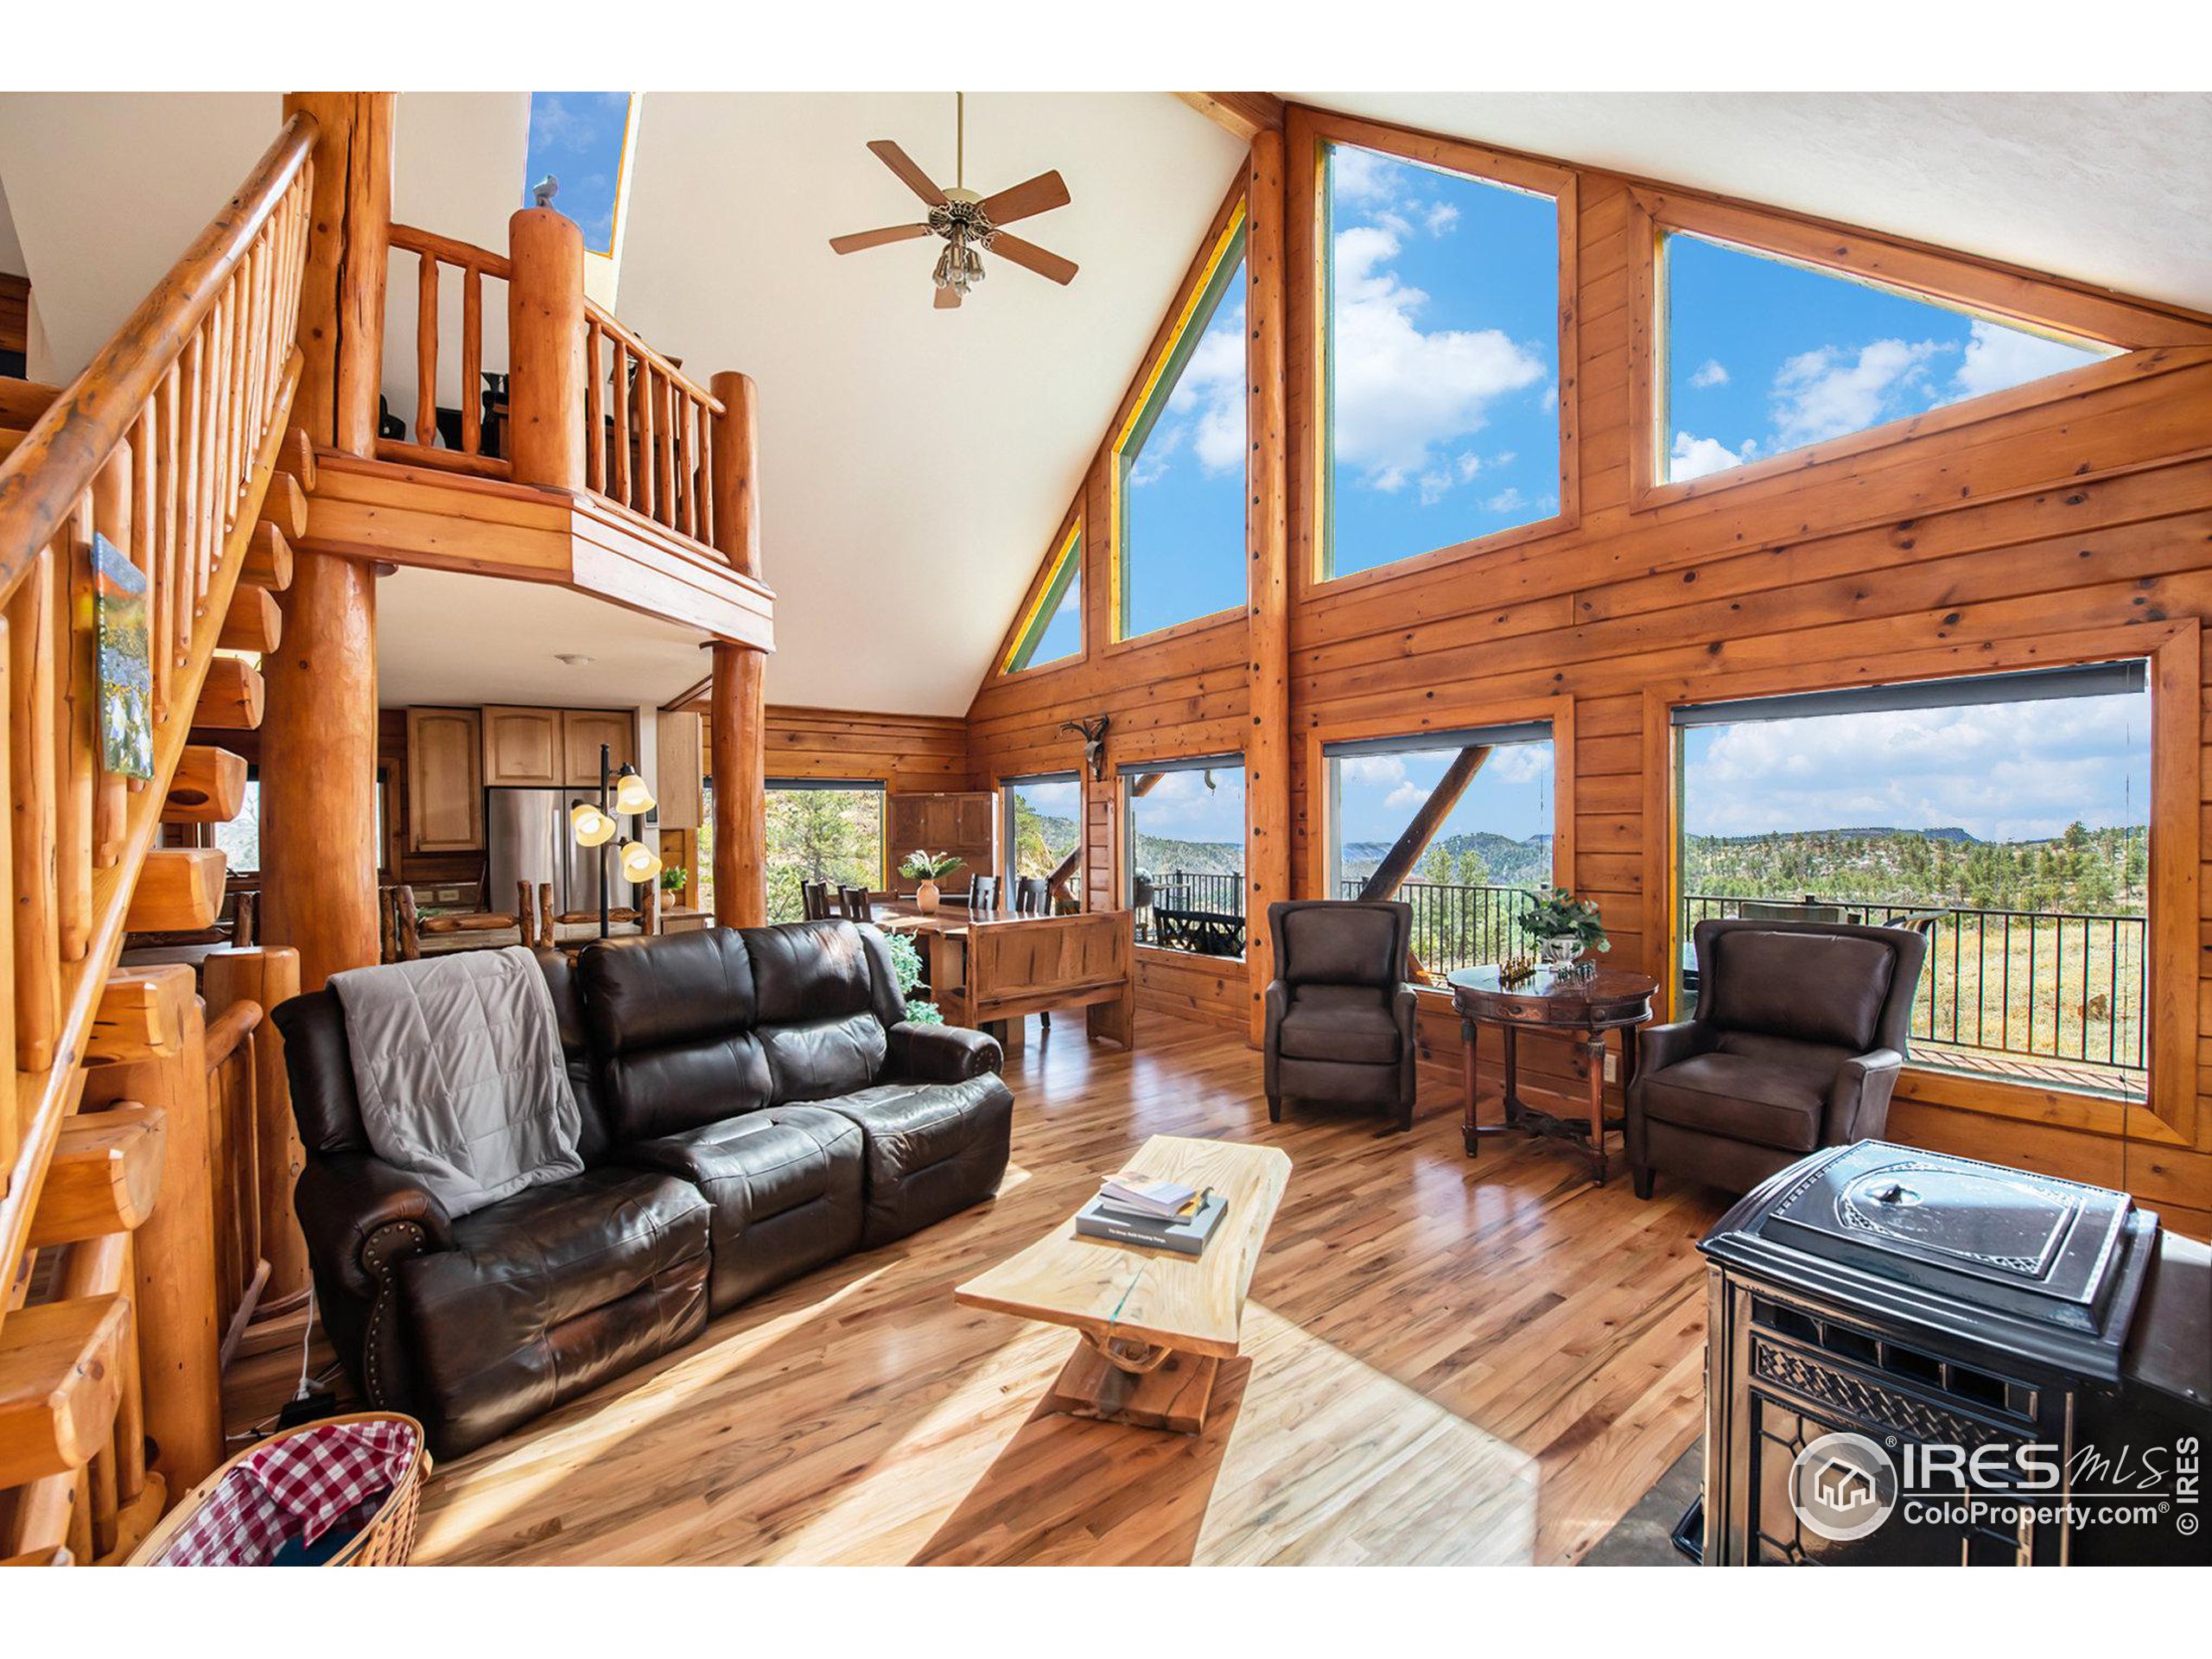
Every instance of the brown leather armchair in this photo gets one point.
(1339, 1013)
(1799, 1033)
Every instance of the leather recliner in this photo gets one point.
(1339, 1013)
(1801, 1031)
(754, 1105)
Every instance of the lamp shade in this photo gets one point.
(591, 827)
(639, 861)
(631, 794)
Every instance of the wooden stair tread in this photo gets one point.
(254, 622)
(136, 1019)
(180, 890)
(230, 698)
(61, 1368)
(209, 787)
(104, 1178)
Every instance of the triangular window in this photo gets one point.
(1053, 630)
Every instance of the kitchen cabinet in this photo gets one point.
(523, 748)
(445, 781)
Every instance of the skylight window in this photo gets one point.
(1765, 356)
(1443, 359)
(1052, 632)
(582, 139)
(1181, 464)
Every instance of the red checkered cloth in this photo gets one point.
(298, 1486)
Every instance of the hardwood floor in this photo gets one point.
(1444, 1361)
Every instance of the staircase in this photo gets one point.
(131, 1227)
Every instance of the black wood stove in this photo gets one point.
(1917, 1358)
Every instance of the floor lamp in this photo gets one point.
(594, 825)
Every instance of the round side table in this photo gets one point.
(1609, 999)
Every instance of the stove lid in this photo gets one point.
(1977, 1250)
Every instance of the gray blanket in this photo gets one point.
(457, 1062)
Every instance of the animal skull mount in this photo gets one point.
(1093, 733)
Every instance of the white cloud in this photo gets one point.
(1509, 499)
(1998, 358)
(1373, 769)
(1709, 374)
(1400, 391)
(1358, 174)
(1468, 465)
(1828, 391)
(1206, 408)
(1519, 763)
(1440, 217)
(2002, 771)
(1695, 457)
(1405, 797)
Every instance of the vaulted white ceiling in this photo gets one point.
(914, 461)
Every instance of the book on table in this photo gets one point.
(1147, 1195)
(1186, 1232)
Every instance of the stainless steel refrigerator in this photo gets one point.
(526, 835)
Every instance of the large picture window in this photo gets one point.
(820, 830)
(2006, 816)
(1185, 840)
(582, 139)
(1765, 355)
(1052, 630)
(1180, 464)
(1442, 359)
(1044, 830)
(1457, 824)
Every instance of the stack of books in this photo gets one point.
(1132, 1208)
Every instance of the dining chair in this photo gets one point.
(982, 894)
(814, 899)
(1031, 896)
(853, 901)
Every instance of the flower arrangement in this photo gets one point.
(906, 968)
(1563, 925)
(929, 867)
(674, 878)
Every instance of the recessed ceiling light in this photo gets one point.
(573, 658)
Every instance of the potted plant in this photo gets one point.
(906, 968)
(673, 881)
(925, 868)
(1563, 925)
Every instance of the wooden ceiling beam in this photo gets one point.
(1241, 113)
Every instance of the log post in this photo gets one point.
(319, 771)
(738, 701)
(267, 977)
(174, 1296)
(1266, 540)
(545, 349)
(735, 720)
(342, 290)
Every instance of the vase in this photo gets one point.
(926, 896)
(1559, 950)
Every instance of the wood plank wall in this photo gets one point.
(2064, 522)
(901, 751)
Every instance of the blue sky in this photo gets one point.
(1179, 807)
(1062, 635)
(1444, 358)
(1183, 513)
(577, 138)
(1511, 796)
(2002, 771)
(1765, 357)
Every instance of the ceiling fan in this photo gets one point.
(969, 224)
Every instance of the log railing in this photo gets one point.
(463, 447)
(648, 429)
(240, 1268)
(164, 446)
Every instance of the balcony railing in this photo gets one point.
(1198, 911)
(2041, 985)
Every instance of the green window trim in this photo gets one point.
(1067, 570)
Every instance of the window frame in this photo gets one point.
(1047, 590)
(1007, 785)
(1225, 255)
(1445, 716)
(1124, 773)
(1308, 132)
(2001, 294)
(882, 788)
(2168, 1113)
(611, 256)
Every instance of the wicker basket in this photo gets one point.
(386, 1540)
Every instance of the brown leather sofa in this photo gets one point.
(1339, 1013)
(1802, 1028)
(754, 1105)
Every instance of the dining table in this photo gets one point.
(990, 969)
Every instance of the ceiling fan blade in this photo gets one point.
(948, 298)
(859, 239)
(903, 164)
(1037, 195)
(1036, 259)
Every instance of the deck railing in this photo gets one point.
(2062, 985)
(654, 452)
(163, 447)
(457, 444)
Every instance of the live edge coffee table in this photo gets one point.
(1155, 1324)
